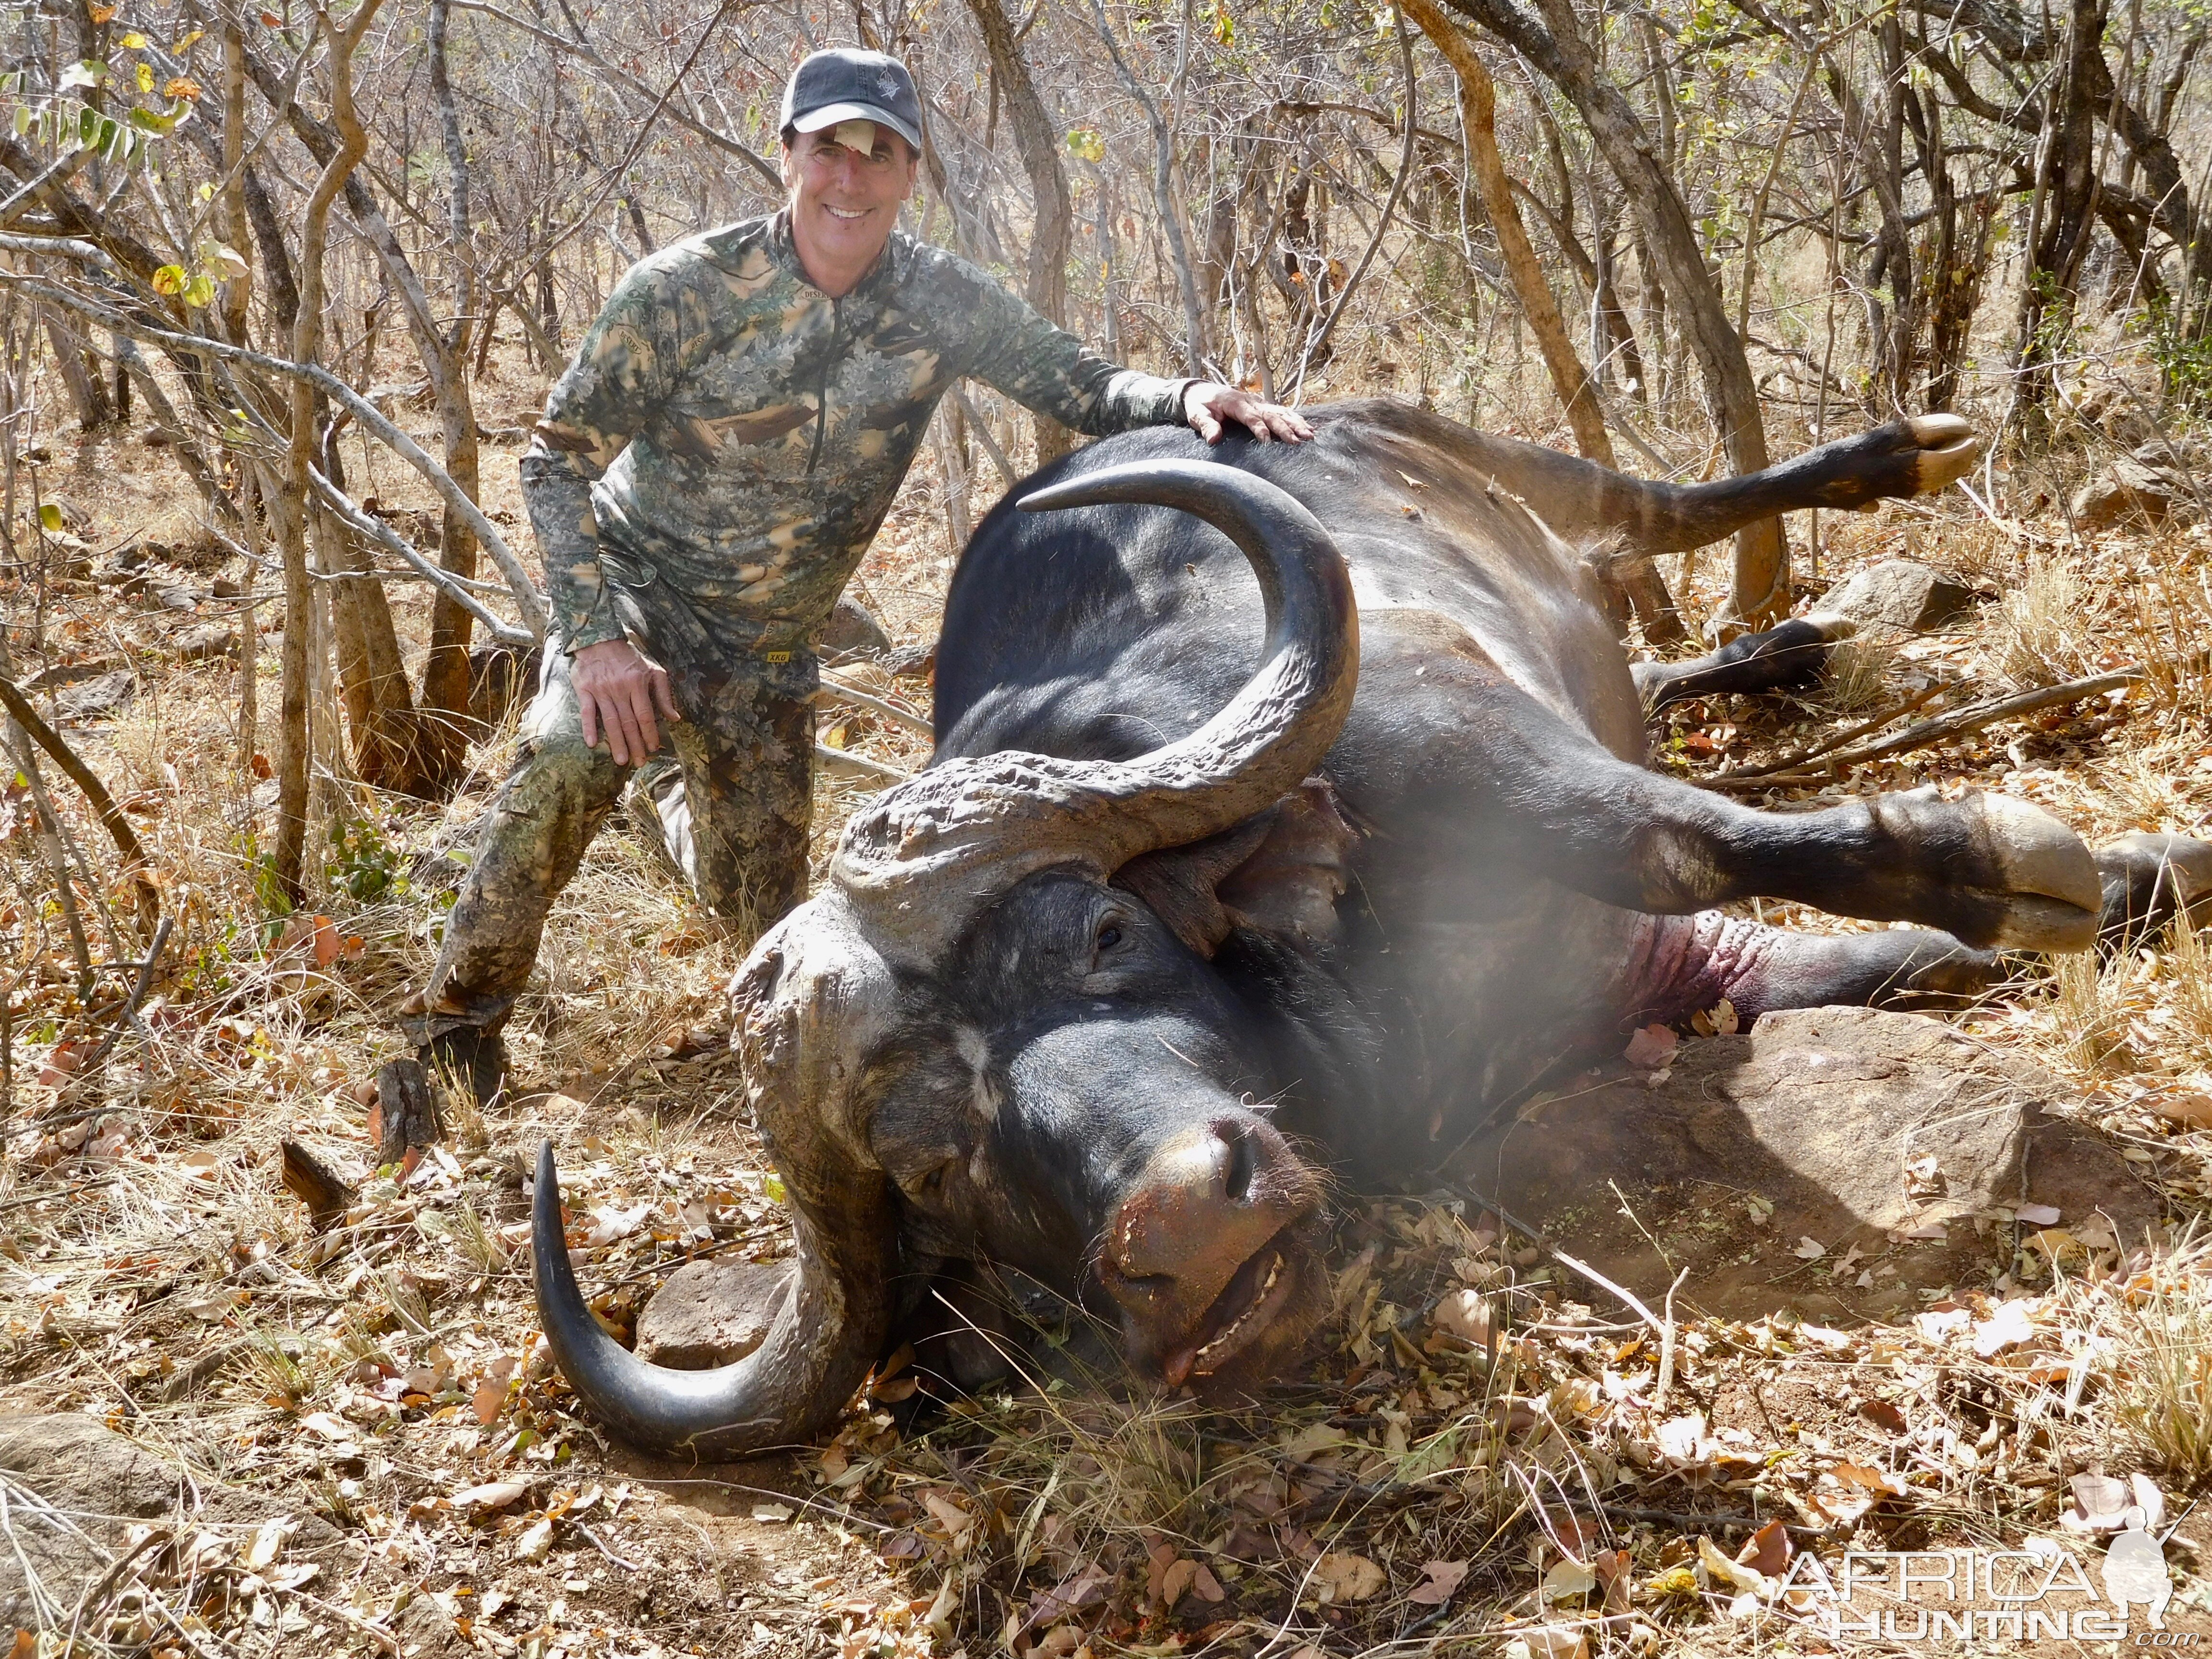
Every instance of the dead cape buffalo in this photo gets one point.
(1325, 824)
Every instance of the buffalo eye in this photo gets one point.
(930, 1186)
(1110, 935)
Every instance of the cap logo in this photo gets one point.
(887, 85)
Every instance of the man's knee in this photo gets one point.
(559, 768)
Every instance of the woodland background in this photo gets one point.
(280, 292)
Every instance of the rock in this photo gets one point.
(60, 674)
(1858, 1126)
(204, 641)
(712, 1313)
(2131, 488)
(852, 635)
(103, 1482)
(1900, 596)
(97, 698)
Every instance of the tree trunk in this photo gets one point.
(87, 391)
(1640, 579)
(444, 724)
(1478, 102)
(238, 292)
(1759, 589)
(292, 501)
(2065, 209)
(1054, 233)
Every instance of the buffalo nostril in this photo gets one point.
(1243, 1163)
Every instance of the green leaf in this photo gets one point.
(89, 72)
(49, 517)
(1086, 144)
(23, 119)
(200, 290)
(87, 127)
(772, 1184)
(147, 121)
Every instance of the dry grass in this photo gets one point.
(2162, 1374)
(156, 1274)
(1857, 677)
(2045, 620)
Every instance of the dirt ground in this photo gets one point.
(1486, 1451)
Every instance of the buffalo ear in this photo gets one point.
(1180, 883)
(1279, 873)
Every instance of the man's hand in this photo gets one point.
(618, 690)
(1206, 406)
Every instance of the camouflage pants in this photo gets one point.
(734, 809)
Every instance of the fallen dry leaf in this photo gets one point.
(1883, 1413)
(2192, 1109)
(1552, 1642)
(1469, 1316)
(2100, 1503)
(492, 1495)
(1567, 1580)
(1869, 1479)
(1174, 1581)
(1651, 1048)
(2008, 1328)
(1083, 1588)
(1343, 1576)
(1768, 1550)
(1680, 1439)
(1438, 1580)
(1734, 1575)
(949, 1513)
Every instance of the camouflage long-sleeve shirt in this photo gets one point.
(732, 431)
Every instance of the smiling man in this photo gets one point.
(707, 474)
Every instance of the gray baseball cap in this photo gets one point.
(846, 84)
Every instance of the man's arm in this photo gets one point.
(1016, 349)
(619, 375)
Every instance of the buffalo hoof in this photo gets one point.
(2051, 896)
(1899, 460)
(1948, 448)
(2148, 880)
(1994, 870)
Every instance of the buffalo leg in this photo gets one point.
(1780, 658)
(1678, 965)
(1586, 502)
(2148, 880)
(1553, 803)
(1681, 965)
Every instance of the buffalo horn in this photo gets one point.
(920, 859)
(826, 1335)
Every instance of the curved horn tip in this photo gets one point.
(1129, 481)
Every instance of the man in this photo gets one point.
(708, 473)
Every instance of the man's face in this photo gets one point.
(845, 200)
